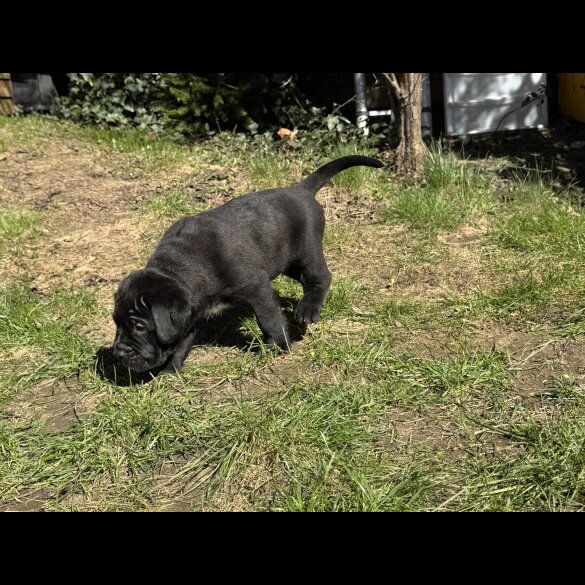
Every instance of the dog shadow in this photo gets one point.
(224, 330)
(109, 369)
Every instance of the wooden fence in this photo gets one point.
(6, 101)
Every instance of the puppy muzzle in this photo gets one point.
(133, 360)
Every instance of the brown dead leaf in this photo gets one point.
(292, 134)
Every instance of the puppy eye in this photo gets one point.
(139, 326)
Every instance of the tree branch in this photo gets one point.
(391, 79)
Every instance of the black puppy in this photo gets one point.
(231, 253)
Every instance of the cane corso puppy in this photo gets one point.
(230, 253)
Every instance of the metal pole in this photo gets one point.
(361, 109)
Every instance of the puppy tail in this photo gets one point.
(315, 181)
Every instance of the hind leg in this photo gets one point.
(316, 279)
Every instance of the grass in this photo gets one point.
(271, 169)
(15, 225)
(38, 338)
(174, 203)
(531, 296)
(422, 210)
(268, 171)
(26, 131)
(444, 374)
(145, 152)
(453, 192)
(544, 470)
(355, 179)
(154, 152)
(538, 221)
(341, 298)
(402, 312)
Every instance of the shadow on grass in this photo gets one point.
(221, 331)
(108, 368)
(558, 151)
(225, 329)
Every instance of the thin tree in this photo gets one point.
(406, 90)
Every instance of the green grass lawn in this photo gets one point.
(447, 371)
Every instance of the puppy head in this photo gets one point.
(152, 314)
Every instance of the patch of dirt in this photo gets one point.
(412, 427)
(558, 360)
(34, 502)
(92, 234)
(387, 258)
(434, 345)
(273, 379)
(226, 502)
(57, 402)
(349, 209)
(571, 354)
(71, 182)
(537, 358)
(489, 335)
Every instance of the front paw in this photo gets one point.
(306, 312)
(171, 368)
(282, 345)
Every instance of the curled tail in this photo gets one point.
(316, 180)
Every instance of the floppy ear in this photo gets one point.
(170, 319)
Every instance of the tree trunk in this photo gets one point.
(410, 152)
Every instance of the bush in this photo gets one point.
(198, 104)
(195, 105)
(113, 99)
(190, 104)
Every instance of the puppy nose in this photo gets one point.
(120, 351)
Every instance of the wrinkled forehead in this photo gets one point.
(130, 303)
